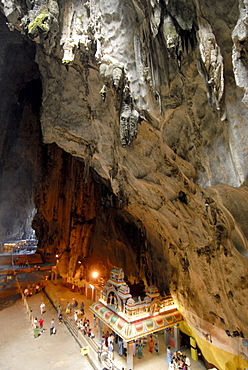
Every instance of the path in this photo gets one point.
(20, 350)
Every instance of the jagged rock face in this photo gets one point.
(20, 88)
(169, 63)
(150, 96)
(81, 219)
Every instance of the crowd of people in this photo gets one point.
(83, 323)
(38, 325)
(33, 289)
(109, 339)
(177, 360)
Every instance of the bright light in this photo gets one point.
(95, 274)
(57, 256)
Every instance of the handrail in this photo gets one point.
(30, 316)
(97, 348)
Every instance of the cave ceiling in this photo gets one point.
(124, 127)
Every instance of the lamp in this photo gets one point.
(95, 274)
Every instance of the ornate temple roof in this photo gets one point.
(130, 330)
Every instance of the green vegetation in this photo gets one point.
(39, 22)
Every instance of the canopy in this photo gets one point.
(130, 330)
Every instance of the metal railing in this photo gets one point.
(95, 353)
(25, 302)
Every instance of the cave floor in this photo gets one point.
(62, 295)
(18, 345)
(20, 350)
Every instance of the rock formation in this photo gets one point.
(142, 161)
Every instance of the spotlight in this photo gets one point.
(95, 274)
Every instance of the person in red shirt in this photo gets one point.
(41, 321)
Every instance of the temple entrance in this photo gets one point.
(134, 319)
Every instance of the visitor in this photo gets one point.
(75, 317)
(75, 304)
(41, 322)
(187, 362)
(103, 340)
(88, 323)
(52, 327)
(134, 348)
(42, 308)
(156, 347)
(68, 308)
(140, 349)
(111, 349)
(171, 365)
(106, 338)
(120, 346)
(169, 355)
(125, 348)
(110, 339)
(82, 308)
(151, 344)
(184, 366)
(36, 327)
(35, 322)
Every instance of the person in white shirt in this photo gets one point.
(171, 366)
(42, 308)
(187, 362)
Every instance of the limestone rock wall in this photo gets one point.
(174, 64)
(151, 96)
(82, 221)
(20, 89)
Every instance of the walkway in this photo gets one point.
(19, 349)
(62, 295)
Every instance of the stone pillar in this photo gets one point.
(54, 276)
(177, 337)
(167, 337)
(129, 356)
(99, 331)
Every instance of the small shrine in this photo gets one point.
(132, 317)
